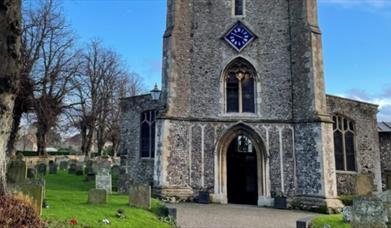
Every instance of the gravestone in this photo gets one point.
(72, 168)
(364, 185)
(347, 214)
(97, 196)
(17, 170)
(385, 197)
(79, 169)
(31, 173)
(36, 190)
(52, 168)
(41, 169)
(103, 177)
(115, 170)
(367, 212)
(140, 196)
(123, 184)
(63, 165)
(123, 160)
(89, 170)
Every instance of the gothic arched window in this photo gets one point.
(147, 134)
(240, 87)
(344, 143)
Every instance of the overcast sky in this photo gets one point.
(356, 41)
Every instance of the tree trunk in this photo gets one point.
(90, 136)
(10, 21)
(41, 140)
(17, 116)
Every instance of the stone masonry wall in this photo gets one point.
(139, 169)
(195, 56)
(189, 153)
(385, 155)
(366, 139)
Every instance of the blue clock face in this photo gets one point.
(239, 36)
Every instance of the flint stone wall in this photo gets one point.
(189, 160)
(366, 140)
(385, 154)
(139, 169)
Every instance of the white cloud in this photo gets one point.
(383, 100)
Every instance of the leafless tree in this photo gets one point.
(53, 73)
(49, 63)
(10, 21)
(100, 86)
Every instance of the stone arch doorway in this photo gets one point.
(234, 182)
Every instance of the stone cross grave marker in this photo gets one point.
(103, 177)
(17, 171)
(140, 196)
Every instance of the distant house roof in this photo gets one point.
(384, 127)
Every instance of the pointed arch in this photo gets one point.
(239, 81)
(263, 180)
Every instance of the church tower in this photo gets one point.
(244, 104)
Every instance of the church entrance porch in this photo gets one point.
(242, 172)
(242, 168)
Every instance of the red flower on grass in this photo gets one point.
(73, 221)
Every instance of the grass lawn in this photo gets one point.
(67, 196)
(335, 221)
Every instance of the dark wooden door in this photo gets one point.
(388, 176)
(242, 175)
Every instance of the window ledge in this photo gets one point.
(346, 172)
(239, 114)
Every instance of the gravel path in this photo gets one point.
(235, 216)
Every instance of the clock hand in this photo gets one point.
(238, 36)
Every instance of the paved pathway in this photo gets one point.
(235, 216)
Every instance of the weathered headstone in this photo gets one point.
(115, 170)
(140, 196)
(36, 190)
(79, 170)
(347, 214)
(72, 168)
(123, 160)
(17, 171)
(367, 212)
(103, 177)
(103, 182)
(385, 197)
(123, 184)
(52, 168)
(42, 169)
(364, 185)
(63, 165)
(97, 196)
(31, 173)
